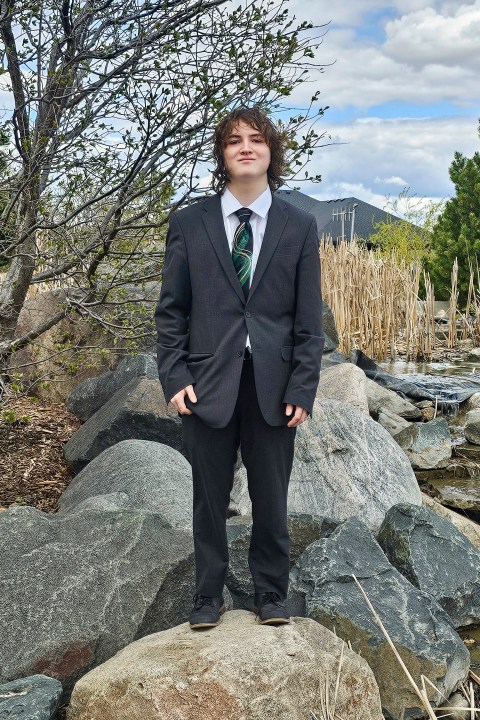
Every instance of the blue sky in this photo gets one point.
(403, 92)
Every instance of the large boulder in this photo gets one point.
(303, 529)
(435, 557)
(345, 464)
(332, 358)
(345, 383)
(392, 422)
(90, 395)
(420, 629)
(469, 528)
(472, 426)
(137, 474)
(137, 411)
(240, 670)
(32, 698)
(428, 445)
(329, 329)
(473, 401)
(380, 399)
(78, 588)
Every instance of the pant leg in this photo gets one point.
(212, 453)
(267, 453)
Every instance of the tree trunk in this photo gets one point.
(14, 288)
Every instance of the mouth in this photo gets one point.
(246, 160)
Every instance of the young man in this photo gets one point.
(239, 349)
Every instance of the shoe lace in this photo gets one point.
(272, 597)
(201, 600)
(269, 597)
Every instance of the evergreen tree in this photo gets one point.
(457, 231)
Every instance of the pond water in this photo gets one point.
(445, 367)
(452, 382)
(457, 367)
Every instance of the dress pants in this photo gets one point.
(267, 453)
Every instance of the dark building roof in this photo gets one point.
(329, 213)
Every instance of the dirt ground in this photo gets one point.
(32, 468)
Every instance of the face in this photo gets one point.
(246, 154)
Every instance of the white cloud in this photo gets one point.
(393, 180)
(443, 38)
(430, 53)
(416, 152)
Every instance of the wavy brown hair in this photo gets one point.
(275, 139)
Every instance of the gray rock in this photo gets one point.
(240, 670)
(472, 426)
(137, 411)
(423, 404)
(303, 530)
(420, 629)
(427, 445)
(31, 698)
(345, 464)
(380, 399)
(332, 358)
(76, 589)
(110, 501)
(461, 707)
(345, 383)
(468, 527)
(435, 557)
(462, 493)
(329, 328)
(473, 401)
(392, 422)
(90, 395)
(152, 476)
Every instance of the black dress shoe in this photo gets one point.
(206, 611)
(270, 609)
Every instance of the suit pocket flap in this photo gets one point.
(192, 357)
(287, 352)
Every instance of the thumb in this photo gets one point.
(190, 393)
(289, 409)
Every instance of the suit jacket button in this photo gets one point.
(239, 353)
(247, 314)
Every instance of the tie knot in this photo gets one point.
(243, 214)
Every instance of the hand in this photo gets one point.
(299, 417)
(179, 402)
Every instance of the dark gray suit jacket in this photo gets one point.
(202, 318)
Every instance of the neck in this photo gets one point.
(247, 192)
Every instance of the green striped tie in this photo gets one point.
(242, 249)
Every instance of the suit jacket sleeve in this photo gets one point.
(172, 315)
(308, 328)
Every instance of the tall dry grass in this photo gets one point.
(375, 302)
(376, 305)
(377, 309)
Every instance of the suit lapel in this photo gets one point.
(213, 219)
(276, 221)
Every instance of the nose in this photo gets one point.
(246, 146)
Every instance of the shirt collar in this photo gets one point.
(260, 206)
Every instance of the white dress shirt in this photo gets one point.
(258, 221)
